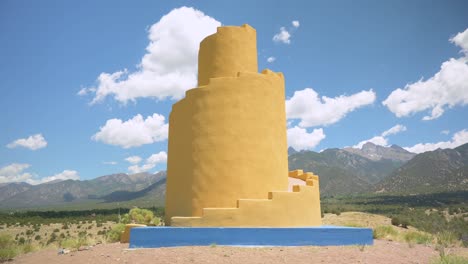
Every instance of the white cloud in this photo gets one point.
(133, 132)
(461, 40)
(109, 162)
(382, 139)
(312, 110)
(394, 130)
(33, 142)
(445, 132)
(271, 59)
(150, 163)
(283, 36)
(459, 138)
(134, 159)
(377, 140)
(157, 158)
(15, 173)
(169, 67)
(300, 139)
(446, 89)
(64, 175)
(295, 23)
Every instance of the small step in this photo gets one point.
(281, 195)
(210, 212)
(243, 203)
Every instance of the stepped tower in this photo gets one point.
(227, 154)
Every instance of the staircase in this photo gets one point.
(299, 208)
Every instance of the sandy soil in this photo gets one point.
(381, 252)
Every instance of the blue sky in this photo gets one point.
(87, 86)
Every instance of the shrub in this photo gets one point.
(114, 234)
(140, 216)
(56, 230)
(396, 221)
(417, 237)
(8, 248)
(404, 223)
(21, 240)
(29, 232)
(38, 237)
(446, 238)
(26, 248)
(70, 243)
(53, 238)
(384, 232)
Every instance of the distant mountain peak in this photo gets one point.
(376, 152)
(291, 151)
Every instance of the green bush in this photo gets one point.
(52, 238)
(8, 248)
(114, 234)
(446, 238)
(417, 237)
(396, 221)
(26, 248)
(404, 223)
(384, 232)
(140, 216)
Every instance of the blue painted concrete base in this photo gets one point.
(153, 237)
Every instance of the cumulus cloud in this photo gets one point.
(271, 59)
(134, 159)
(150, 163)
(313, 110)
(283, 36)
(461, 40)
(459, 138)
(446, 89)
(133, 132)
(445, 132)
(300, 139)
(62, 176)
(168, 68)
(33, 142)
(382, 139)
(109, 162)
(15, 172)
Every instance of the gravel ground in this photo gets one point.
(381, 252)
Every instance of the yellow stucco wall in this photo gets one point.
(227, 138)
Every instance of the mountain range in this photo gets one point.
(370, 169)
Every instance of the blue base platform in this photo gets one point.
(153, 237)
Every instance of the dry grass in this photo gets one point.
(40, 238)
(382, 226)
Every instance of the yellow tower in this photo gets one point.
(227, 153)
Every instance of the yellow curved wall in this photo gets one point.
(229, 51)
(227, 137)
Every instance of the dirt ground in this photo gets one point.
(381, 252)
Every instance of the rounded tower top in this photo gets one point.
(230, 50)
